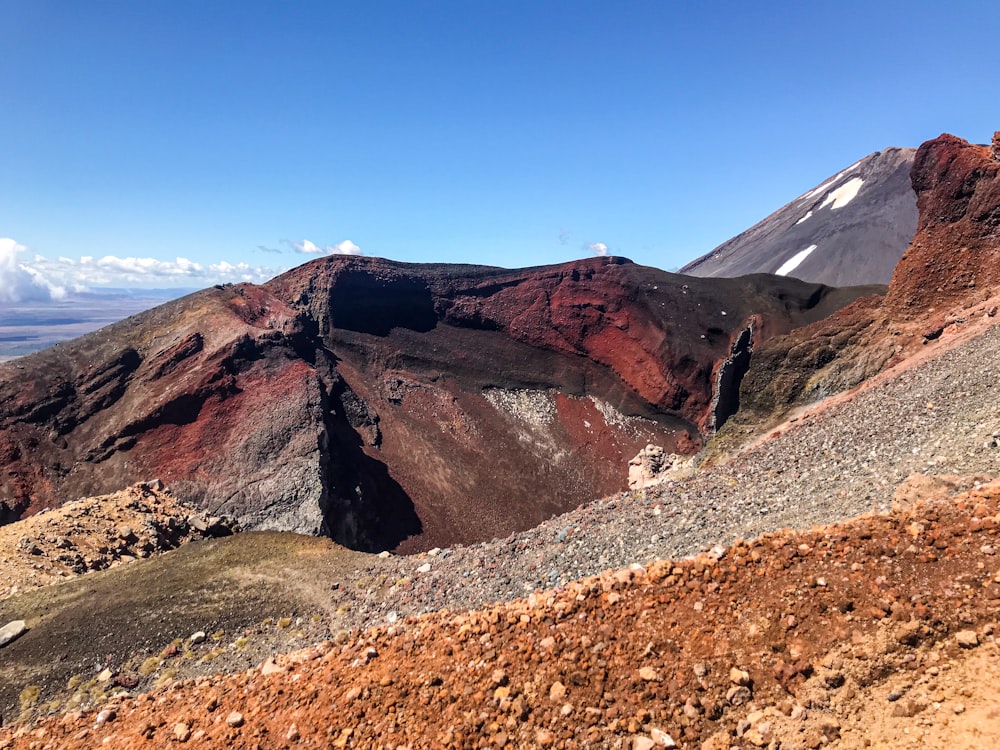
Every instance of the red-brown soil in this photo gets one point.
(830, 637)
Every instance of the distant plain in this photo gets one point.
(27, 327)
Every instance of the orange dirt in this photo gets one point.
(793, 639)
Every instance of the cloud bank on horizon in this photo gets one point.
(27, 277)
(30, 277)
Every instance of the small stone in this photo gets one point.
(198, 637)
(293, 733)
(499, 678)
(12, 631)
(958, 708)
(662, 739)
(649, 674)
(544, 738)
(830, 727)
(182, 732)
(739, 676)
(737, 695)
(235, 719)
(106, 716)
(270, 667)
(197, 523)
(384, 554)
(640, 742)
(557, 692)
(105, 675)
(425, 568)
(967, 638)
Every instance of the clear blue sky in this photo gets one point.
(506, 132)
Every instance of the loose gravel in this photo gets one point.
(938, 418)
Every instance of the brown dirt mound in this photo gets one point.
(839, 636)
(96, 533)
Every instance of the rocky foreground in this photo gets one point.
(864, 633)
(97, 533)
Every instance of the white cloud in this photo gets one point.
(110, 270)
(20, 282)
(307, 247)
(598, 248)
(344, 248)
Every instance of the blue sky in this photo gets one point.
(234, 135)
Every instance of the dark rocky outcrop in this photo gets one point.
(389, 405)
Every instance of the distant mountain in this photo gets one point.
(850, 230)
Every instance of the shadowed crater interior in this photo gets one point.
(361, 301)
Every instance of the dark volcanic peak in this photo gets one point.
(392, 405)
(851, 229)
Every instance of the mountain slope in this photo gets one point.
(851, 229)
(379, 402)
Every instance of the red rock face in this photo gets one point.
(385, 404)
(956, 247)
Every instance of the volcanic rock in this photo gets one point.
(381, 402)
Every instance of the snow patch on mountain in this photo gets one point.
(792, 263)
(844, 194)
(808, 214)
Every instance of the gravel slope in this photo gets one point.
(938, 418)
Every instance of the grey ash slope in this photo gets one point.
(858, 240)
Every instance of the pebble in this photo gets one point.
(235, 719)
(649, 674)
(12, 631)
(737, 695)
(270, 667)
(198, 637)
(739, 676)
(967, 638)
(662, 739)
(182, 732)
